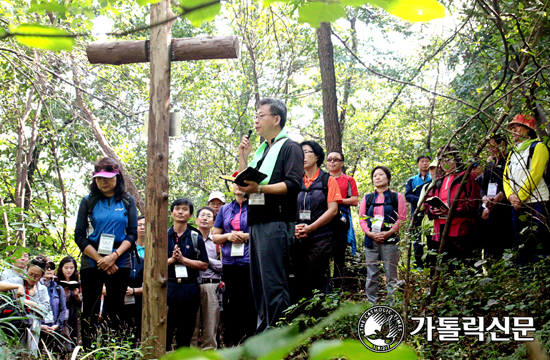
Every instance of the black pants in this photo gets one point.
(92, 284)
(310, 259)
(531, 234)
(269, 249)
(418, 246)
(339, 246)
(183, 304)
(132, 318)
(239, 311)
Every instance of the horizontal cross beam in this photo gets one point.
(137, 51)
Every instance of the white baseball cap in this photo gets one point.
(217, 195)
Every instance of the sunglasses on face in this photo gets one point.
(330, 160)
(108, 168)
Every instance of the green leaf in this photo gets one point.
(354, 2)
(51, 7)
(274, 344)
(354, 350)
(199, 11)
(32, 36)
(193, 353)
(412, 10)
(145, 2)
(35, 225)
(317, 12)
(3, 33)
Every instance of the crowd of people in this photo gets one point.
(247, 260)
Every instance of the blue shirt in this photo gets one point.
(223, 221)
(187, 249)
(109, 217)
(57, 303)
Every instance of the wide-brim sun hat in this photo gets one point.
(433, 164)
(523, 119)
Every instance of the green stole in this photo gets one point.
(271, 158)
(525, 144)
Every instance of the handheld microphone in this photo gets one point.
(249, 133)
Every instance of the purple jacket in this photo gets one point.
(223, 221)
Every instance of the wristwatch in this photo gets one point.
(259, 189)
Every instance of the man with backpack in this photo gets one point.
(186, 257)
(526, 188)
(412, 194)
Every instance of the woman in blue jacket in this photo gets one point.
(54, 327)
(106, 228)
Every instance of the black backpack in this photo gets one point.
(370, 200)
(14, 320)
(546, 175)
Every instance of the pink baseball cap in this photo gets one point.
(106, 174)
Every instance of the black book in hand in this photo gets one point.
(436, 202)
(249, 174)
(71, 285)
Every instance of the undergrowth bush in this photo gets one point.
(490, 288)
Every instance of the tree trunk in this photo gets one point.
(93, 121)
(333, 134)
(154, 317)
(24, 157)
(347, 85)
(6, 223)
(53, 151)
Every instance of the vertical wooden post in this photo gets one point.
(156, 202)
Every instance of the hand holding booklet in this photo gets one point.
(249, 174)
(71, 285)
(436, 202)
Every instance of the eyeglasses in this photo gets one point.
(215, 203)
(333, 160)
(207, 216)
(256, 117)
(108, 168)
(308, 152)
(34, 276)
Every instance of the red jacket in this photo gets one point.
(463, 222)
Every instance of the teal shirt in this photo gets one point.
(141, 250)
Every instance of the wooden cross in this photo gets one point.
(160, 50)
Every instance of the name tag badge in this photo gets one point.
(106, 243)
(237, 249)
(305, 214)
(492, 190)
(256, 199)
(377, 224)
(181, 271)
(129, 300)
